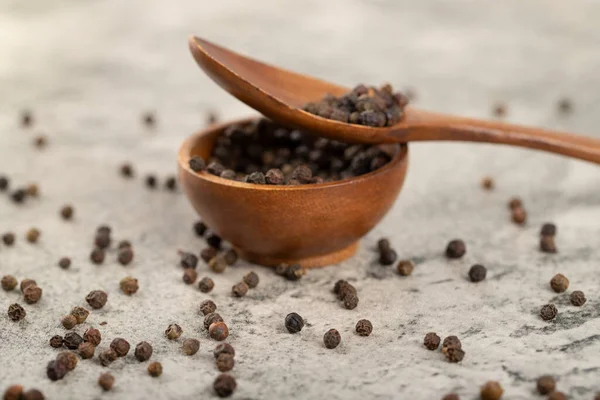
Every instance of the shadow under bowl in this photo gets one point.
(313, 225)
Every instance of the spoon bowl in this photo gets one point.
(313, 225)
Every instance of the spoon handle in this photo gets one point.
(442, 127)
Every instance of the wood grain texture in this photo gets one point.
(314, 225)
(279, 94)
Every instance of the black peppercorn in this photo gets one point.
(274, 176)
(80, 314)
(207, 307)
(190, 346)
(33, 394)
(106, 381)
(8, 238)
(218, 330)
(56, 370)
(211, 318)
(405, 267)
(149, 119)
(387, 257)
(239, 289)
(228, 174)
(578, 298)
(557, 396)
(350, 301)
(477, 273)
(68, 358)
(217, 264)
(456, 249)
(225, 362)
(230, 257)
(96, 299)
(213, 240)
(9, 282)
(224, 348)
(559, 283)
(32, 294)
(548, 312)
(56, 341)
(432, 341)
(143, 351)
(491, 391)
(68, 321)
(64, 262)
(215, 168)
(454, 354)
(545, 384)
(332, 339)
(126, 170)
(171, 183)
(16, 312)
(151, 181)
(155, 369)
(451, 396)
(208, 254)
(93, 336)
(189, 276)
(294, 323)
(548, 229)
(120, 346)
(72, 340)
(197, 163)
(33, 235)
(547, 244)
(86, 350)
(364, 327)
(129, 285)
(188, 260)
(224, 385)
(97, 255)
(200, 228)
(173, 332)
(251, 279)
(125, 255)
(295, 272)
(206, 285)
(4, 183)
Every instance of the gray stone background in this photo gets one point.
(88, 69)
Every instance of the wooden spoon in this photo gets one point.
(280, 94)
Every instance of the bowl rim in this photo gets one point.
(184, 155)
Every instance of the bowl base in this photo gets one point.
(307, 262)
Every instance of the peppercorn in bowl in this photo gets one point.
(312, 209)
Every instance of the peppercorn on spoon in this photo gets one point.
(280, 94)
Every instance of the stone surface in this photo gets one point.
(89, 70)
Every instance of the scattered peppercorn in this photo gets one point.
(102, 239)
(208, 307)
(173, 332)
(80, 314)
(151, 181)
(56, 341)
(9, 282)
(188, 260)
(120, 346)
(456, 249)
(8, 238)
(26, 118)
(143, 351)
(332, 339)
(33, 394)
(68, 358)
(487, 183)
(208, 254)
(107, 357)
(294, 272)
(129, 285)
(190, 346)
(225, 362)
(126, 170)
(33, 235)
(25, 283)
(491, 391)
(200, 228)
(213, 240)
(499, 110)
(364, 327)
(64, 262)
(477, 273)
(4, 183)
(124, 244)
(350, 301)
(67, 212)
(515, 202)
(565, 105)
(239, 289)
(171, 183)
(387, 256)
(189, 276)
(405, 267)
(72, 340)
(578, 298)
(40, 141)
(97, 299)
(125, 255)
(519, 215)
(197, 163)
(16, 312)
(206, 285)
(97, 255)
(93, 336)
(68, 321)
(18, 196)
(294, 323)
(547, 244)
(149, 119)
(56, 370)
(218, 331)
(454, 354)
(451, 342)
(155, 369)
(451, 396)
(224, 385)
(548, 312)
(223, 348)
(230, 257)
(217, 265)
(32, 294)
(432, 341)
(559, 283)
(557, 396)
(546, 384)
(86, 350)
(106, 381)
(548, 229)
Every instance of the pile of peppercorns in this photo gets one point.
(263, 152)
(364, 105)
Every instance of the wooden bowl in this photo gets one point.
(313, 225)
